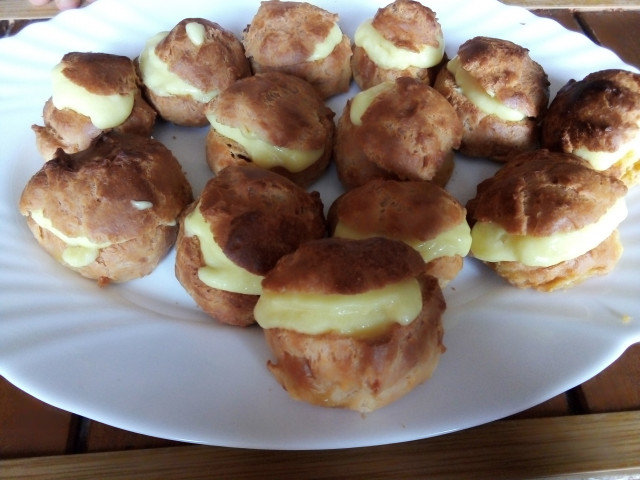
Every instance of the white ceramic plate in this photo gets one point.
(142, 357)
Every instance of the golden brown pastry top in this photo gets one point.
(100, 73)
(93, 193)
(215, 64)
(505, 69)
(281, 109)
(256, 216)
(405, 210)
(600, 112)
(540, 193)
(409, 129)
(408, 24)
(339, 265)
(286, 33)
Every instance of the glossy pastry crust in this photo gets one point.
(517, 81)
(214, 65)
(102, 74)
(256, 216)
(600, 113)
(283, 35)
(407, 24)
(365, 372)
(542, 192)
(124, 190)
(407, 133)
(280, 109)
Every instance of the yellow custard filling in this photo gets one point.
(314, 313)
(387, 55)
(80, 251)
(219, 272)
(491, 243)
(196, 33)
(627, 155)
(141, 204)
(162, 81)
(105, 111)
(482, 99)
(362, 100)
(323, 49)
(263, 153)
(455, 241)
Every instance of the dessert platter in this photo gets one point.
(142, 356)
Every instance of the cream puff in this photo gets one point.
(110, 211)
(546, 220)
(245, 219)
(300, 39)
(92, 93)
(402, 130)
(275, 121)
(351, 323)
(403, 39)
(500, 95)
(419, 213)
(185, 68)
(598, 119)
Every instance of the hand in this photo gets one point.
(61, 4)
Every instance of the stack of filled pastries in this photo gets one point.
(349, 295)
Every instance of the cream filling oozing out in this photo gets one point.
(80, 251)
(141, 204)
(387, 55)
(362, 100)
(162, 81)
(263, 153)
(454, 241)
(323, 49)
(477, 95)
(105, 111)
(316, 313)
(491, 243)
(219, 272)
(196, 33)
(627, 154)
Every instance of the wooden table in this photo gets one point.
(593, 429)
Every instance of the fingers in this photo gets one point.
(61, 4)
(67, 4)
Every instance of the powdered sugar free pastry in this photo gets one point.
(598, 119)
(275, 121)
(108, 212)
(500, 94)
(419, 213)
(182, 70)
(92, 93)
(547, 220)
(402, 130)
(300, 39)
(245, 219)
(351, 323)
(403, 39)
